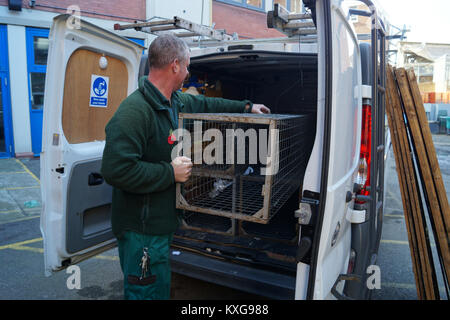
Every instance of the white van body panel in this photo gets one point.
(56, 151)
(345, 135)
(277, 45)
(314, 169)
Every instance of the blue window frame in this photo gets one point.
(37, 51)
(258, 5)
(6, 129)
(138, 41)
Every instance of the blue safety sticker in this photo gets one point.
(99, 91)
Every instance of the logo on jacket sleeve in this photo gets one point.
(172, 138)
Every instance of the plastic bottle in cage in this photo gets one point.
(219, 186)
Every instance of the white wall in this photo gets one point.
(440, 73)
(16, 25)
(190, 10)
(19, 88)
(198, 11)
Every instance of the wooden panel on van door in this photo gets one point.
(82, 123)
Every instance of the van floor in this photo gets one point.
(269, 246)
(249, 251)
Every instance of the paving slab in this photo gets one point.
(10, 165)
(26, 199)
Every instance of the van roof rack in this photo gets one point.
(177, 23)
(292, 24)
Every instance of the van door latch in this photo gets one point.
(307, 211)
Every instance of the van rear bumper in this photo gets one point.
(261, 282)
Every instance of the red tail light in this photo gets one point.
(366, 148)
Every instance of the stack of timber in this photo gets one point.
(419, 174)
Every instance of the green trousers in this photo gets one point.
(130, 253)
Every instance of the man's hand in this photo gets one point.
(182, 167)
(260, 108)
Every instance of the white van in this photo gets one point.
(322, 241)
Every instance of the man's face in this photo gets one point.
(183, 72)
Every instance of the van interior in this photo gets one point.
(287, 84)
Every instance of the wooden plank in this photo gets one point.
(392, 103)
(416, 222)
(424, 250)
(428, 165)
(409, 109)
(251, 218)
(414, 228)
(441, 217)
(399, 166)
(82, 123)
(274, 140)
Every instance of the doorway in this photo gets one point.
(37, 51)
(6, 131)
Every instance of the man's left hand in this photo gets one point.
(260, 108)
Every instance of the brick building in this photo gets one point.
(24, 31)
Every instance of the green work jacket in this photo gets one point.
(137, 156)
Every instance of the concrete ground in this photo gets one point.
(21, 247)
(20, 191)
(394, 259)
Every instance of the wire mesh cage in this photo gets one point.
(246, 166)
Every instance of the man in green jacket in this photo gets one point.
(137, 163)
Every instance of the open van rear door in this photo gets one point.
(339, 114)
(90, 71)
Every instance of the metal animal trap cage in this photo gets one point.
(246, 166)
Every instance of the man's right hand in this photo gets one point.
(182, 168)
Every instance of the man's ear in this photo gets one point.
(175, 66)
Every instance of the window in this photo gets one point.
(283, 3)
(258, 5)
(40, 45)
(37, 53)
(37, 84)
(294, 6)
(37, 48)
(255, 3)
